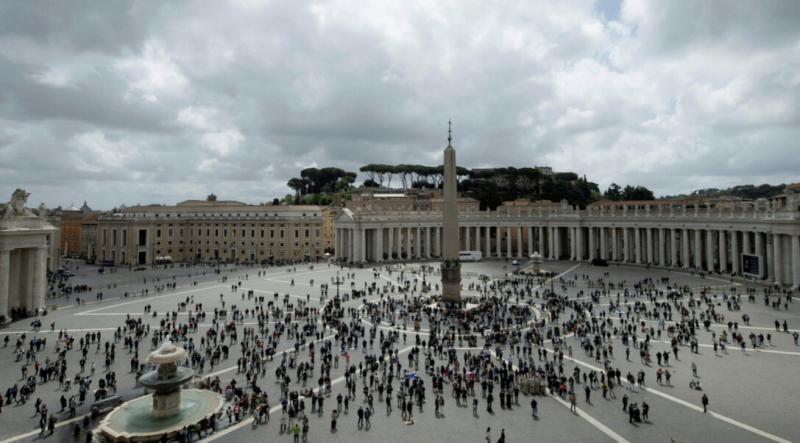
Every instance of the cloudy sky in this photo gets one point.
(135, 102)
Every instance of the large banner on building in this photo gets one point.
(752, 266)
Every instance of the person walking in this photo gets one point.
(694, 369)
(534, 408)
(502, 438)
(704, 401)
(296, 432)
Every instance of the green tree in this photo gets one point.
(613, 193)
(631, 193)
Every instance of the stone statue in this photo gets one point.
(42, 212)
(16, 206)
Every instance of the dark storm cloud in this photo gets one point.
(138, 102)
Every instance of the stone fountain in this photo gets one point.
(167, 380)
(168, 409)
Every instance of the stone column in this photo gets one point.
(723, 252)
(746, 242)
(388, 246)
(673, 248)
(639, 247)
(737, 269)
(769, 259)
(591, 244)
(519, 241)
(348, 244)
(710, 250)
(362, 253)
(579, 244)
(662, 247)
(685, 253)
(428, 242)
(437, 241)
(650, 259)
(777, 262)
(626, 245)
(488, 241)
(408, 243)
(530, 241)
(467, 240)
(760, 251)
(571, 242)
(603, 243)
(418, 243)
(615, 244)
(698, 249)
(508, 242)
(5, 271)
(497, 244)
(795, 261)
(478, 238)
(558, 243)
(379, 244)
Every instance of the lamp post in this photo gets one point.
(338, 282)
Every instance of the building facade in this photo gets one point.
(70, 241)
(210, 230)
(758, 239)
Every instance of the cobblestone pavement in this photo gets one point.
(753, 394)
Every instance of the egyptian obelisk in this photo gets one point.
(451, 267)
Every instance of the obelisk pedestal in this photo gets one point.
(451, 266)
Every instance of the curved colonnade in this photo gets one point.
(714, 238)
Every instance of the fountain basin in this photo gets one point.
(133, 421)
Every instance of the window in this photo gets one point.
(306, 233)
(158, 233)
(113, 237)
(124, 237)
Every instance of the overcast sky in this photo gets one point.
(135, 102)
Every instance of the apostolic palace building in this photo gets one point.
(211, 230)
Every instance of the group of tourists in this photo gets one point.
(392, 344)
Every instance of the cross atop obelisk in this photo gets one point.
(451, 267)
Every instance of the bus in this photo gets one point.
(469, 255)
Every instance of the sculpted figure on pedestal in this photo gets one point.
(16, 206)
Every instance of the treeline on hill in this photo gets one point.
(490, 186)
(750, 192)
(317, 186)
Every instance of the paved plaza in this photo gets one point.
(752, 392)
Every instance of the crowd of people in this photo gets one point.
(391, 342)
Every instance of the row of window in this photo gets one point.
(143, 234)
(229, 214)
